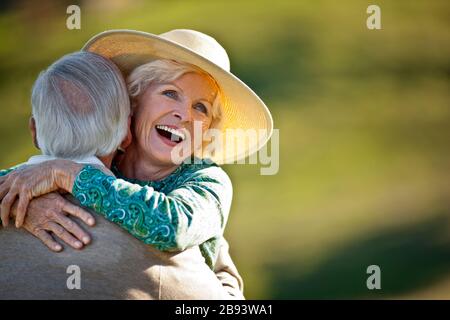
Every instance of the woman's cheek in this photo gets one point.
(206, 125)
(141, 134)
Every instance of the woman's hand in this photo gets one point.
(33, 181)
(48, 213)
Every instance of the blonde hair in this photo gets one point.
(163, 70)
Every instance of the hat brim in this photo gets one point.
(241, 107)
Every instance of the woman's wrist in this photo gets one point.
(65, 173)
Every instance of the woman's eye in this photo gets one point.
(170, 93)
(201, 107)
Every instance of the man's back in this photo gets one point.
(114, 266)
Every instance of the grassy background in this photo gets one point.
(364, 119)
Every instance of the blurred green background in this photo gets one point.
(364, 120)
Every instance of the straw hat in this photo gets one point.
(241, 107)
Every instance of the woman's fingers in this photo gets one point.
(78, 212)
(73, 228)
(5, 207)
(3, 179)
(4, 188)
(47, 240)
(21, 210)
(64, 235)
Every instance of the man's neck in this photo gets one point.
(107, 160)
(86, 160)
(135, 165)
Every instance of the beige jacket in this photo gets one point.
(114, 266)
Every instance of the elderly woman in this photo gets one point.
(169, 205)
(83, 97)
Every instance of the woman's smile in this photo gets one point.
(170, 134)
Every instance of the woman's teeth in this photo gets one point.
(175, 134)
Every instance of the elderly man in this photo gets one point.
(81, 112)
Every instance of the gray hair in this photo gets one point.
(163, 70)
(80, 106)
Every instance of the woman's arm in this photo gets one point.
(47, 215)
(4, 172)
(31, 181)
(195, 211)
(227, 273)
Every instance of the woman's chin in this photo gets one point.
(161, 153)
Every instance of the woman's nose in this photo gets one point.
(183, 113)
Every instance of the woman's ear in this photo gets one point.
(32, 126)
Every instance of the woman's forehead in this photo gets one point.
(197, 85)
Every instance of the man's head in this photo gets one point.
(80, 107)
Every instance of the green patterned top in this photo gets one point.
(4, 172)
(187, 208)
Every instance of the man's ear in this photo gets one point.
(32, 126)
(127, 141)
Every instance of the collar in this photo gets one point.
(42, 158)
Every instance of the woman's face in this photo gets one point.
(166, 113)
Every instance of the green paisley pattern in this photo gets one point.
(5, 172)
(189, 207)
